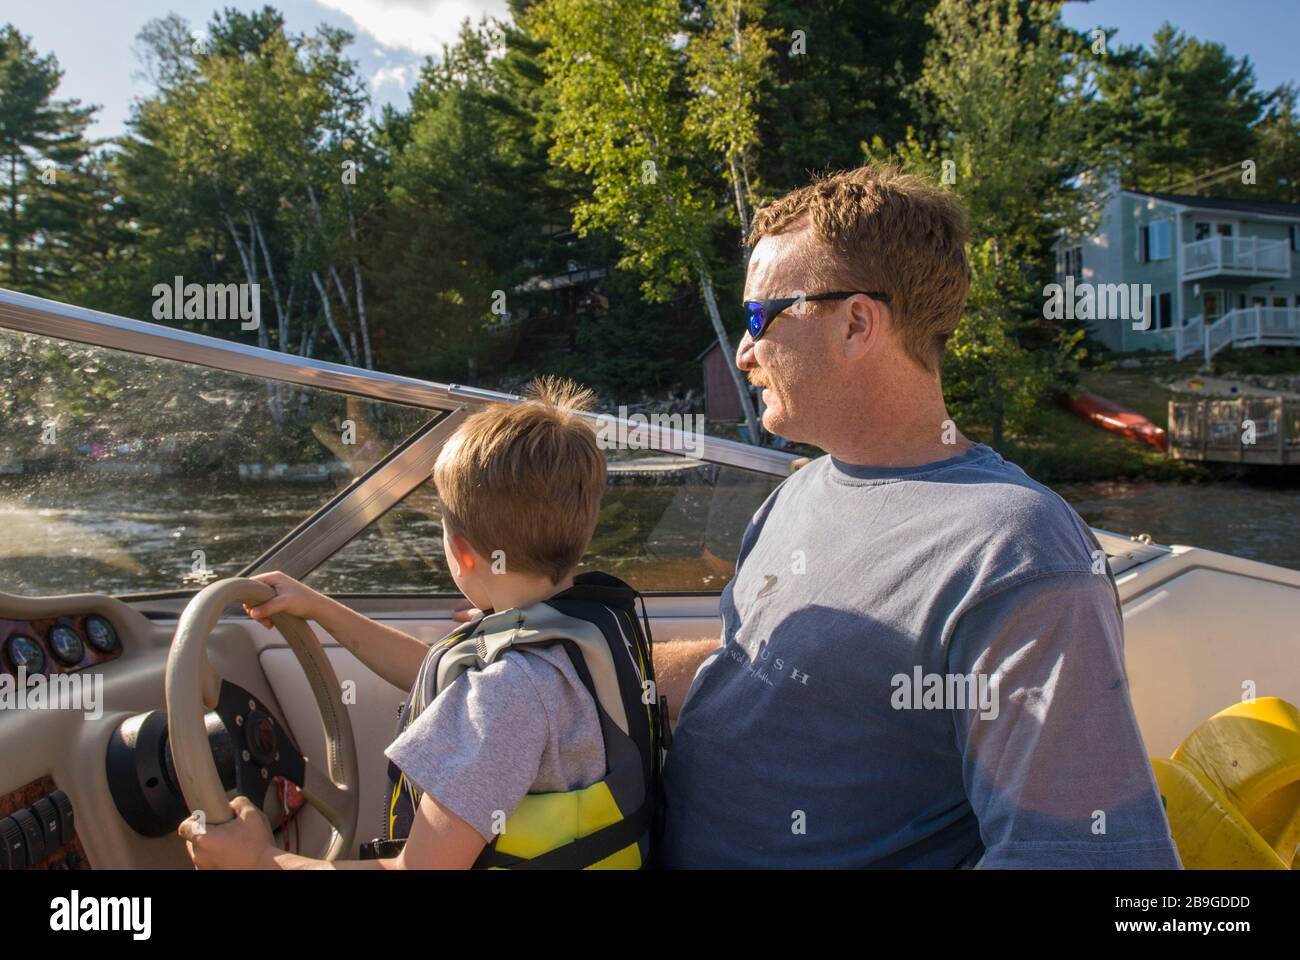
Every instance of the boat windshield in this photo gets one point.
(126, 474)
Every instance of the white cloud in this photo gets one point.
(421, 26)
(399, 76)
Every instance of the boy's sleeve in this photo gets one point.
(478, 747)
(1055, 767)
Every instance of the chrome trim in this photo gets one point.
(48, 318)
(334, 525)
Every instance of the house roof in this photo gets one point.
(1272, 207)
(712, 346)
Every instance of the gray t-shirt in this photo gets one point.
(920, 667)
(523, 724)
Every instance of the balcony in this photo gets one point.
(1236, 256)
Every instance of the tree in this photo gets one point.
(1176, 109)
(1277, 145)
(259, 136)
(47, 166)
(840, 76)
(620, 120)
(727, 63)
(1006, 84)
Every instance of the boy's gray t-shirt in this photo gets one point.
(919, 667)
(523, 724)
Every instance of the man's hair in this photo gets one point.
(526, 479)
(879, 229)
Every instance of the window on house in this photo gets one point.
(1223, 229)
(1159, 240)
(1202, 230)
(1144, 244)
(1295, 235)
(1212, 304)
(1072, 262)
(1164, 311)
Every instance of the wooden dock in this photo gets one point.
(1221, 430)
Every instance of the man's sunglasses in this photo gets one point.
(763, 312)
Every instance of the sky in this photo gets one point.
(94, 39)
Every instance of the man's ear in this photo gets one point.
(861, 327)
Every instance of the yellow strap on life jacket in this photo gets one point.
(545, 821)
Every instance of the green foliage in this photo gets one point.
(1175, 109)
(727, 63)
(617, 122)
(50, 174)
(1003, 83)
(858, 59)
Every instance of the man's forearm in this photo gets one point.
(392, 654)
(676, 662)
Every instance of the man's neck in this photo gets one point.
(904, 427)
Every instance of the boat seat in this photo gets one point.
(1232, 789)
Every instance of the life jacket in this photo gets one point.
(606, 825)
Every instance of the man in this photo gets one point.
(922, 653)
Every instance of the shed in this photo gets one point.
(720, 400)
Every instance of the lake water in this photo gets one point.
(1249, 520)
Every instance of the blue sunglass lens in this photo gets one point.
(757, 319)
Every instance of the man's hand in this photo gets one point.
(290, 597)
(244, 843)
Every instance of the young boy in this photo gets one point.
(526, 739)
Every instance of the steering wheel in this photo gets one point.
(262, 747)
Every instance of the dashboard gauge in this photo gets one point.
(101, 634)
(66, 645)
(25, 653)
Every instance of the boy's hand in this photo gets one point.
(243, 843)
(290, 597)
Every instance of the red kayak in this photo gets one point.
(1111, 416)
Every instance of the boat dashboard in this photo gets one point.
(86, 776)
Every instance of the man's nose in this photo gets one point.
(745, 353)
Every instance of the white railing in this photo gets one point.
(1252, 256)
(1189, 338)
(1253, 326)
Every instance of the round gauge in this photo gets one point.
(101, 634)
(23, 652)
(66, 645)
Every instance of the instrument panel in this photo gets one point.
(56, 645)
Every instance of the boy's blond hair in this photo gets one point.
(525, 479)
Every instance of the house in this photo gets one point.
(1213, 272)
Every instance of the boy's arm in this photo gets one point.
(439, 840)
(676, 662)
(392, 654)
